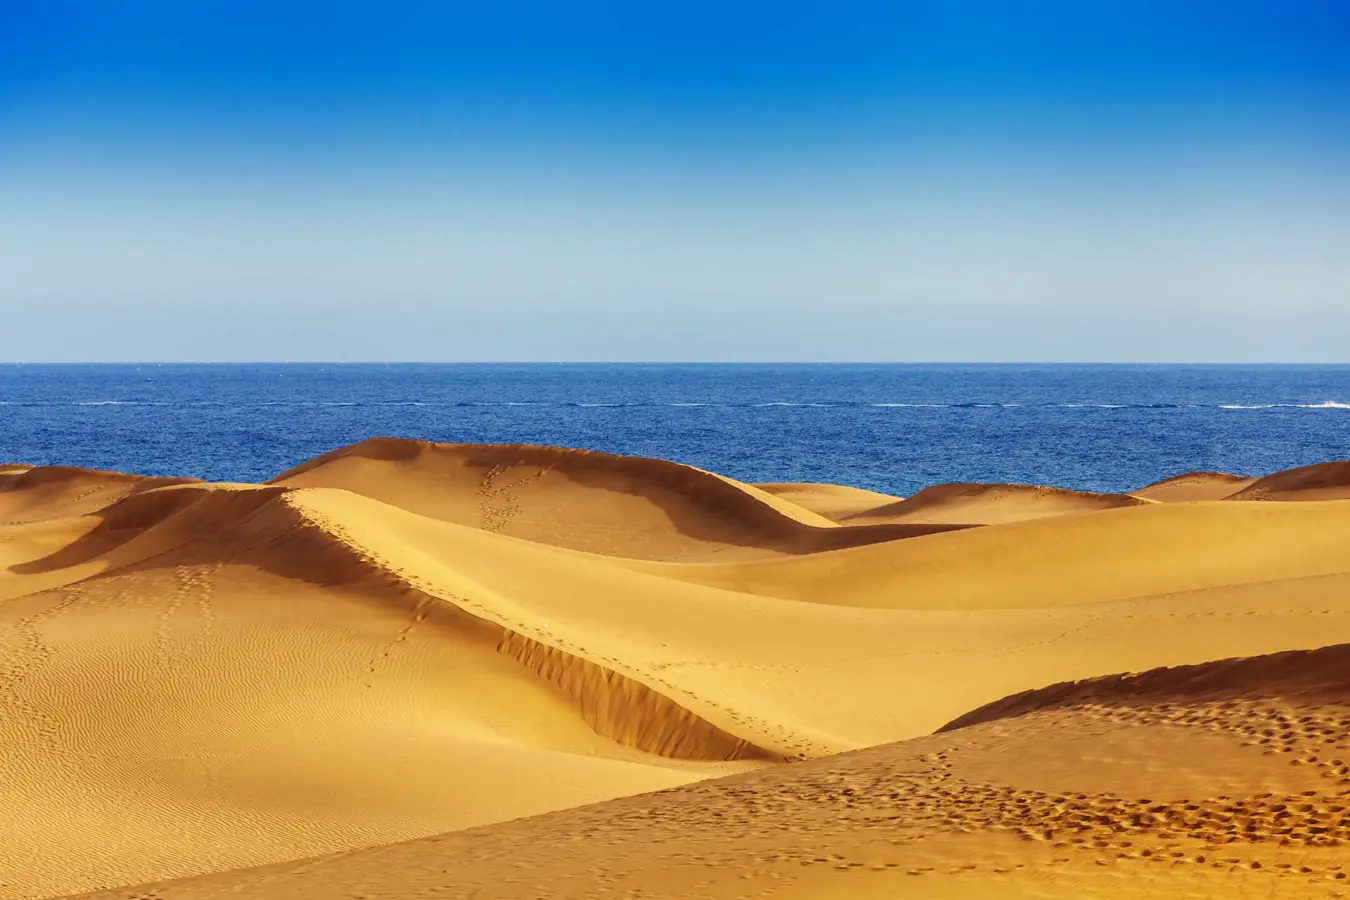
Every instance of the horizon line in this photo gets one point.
(665, 362)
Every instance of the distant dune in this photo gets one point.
(38, 493)
(988, 504)
(1323, 481)
(359, 674)
(598, 502)
(833, 501)
(1194, 486)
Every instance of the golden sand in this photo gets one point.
(417, 670)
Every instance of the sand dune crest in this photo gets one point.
(989, 504)
(34, 493)
(1194, 486)
(833, 501)
(582, 500)
(1314, 676)
(1322, 481)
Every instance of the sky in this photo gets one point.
(704, 181)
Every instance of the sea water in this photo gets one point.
(891, 428)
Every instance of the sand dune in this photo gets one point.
(623, 506)
(1225, 779)
(403, 639)
(833, 501)
(1299, 677)
(988, 504)
(1106, 556)
(233, 686)
(1194, 486)
(1323, 481)
(35, 493)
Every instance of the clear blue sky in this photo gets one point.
(1134, 180)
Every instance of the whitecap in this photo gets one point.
(1325, 404)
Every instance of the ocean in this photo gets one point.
(891, 428)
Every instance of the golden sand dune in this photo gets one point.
(36, 493)
(201, 678)
(1194, 486)
(230, 684)
(622, 506)
(1323, 481)
(1112, 555)
(988, 504)
(1226, 779)
(833, 501)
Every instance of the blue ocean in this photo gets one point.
(892, 428)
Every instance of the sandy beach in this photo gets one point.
(415, 670)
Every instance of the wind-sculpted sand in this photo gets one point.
(418, 670)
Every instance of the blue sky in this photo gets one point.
(797, 181)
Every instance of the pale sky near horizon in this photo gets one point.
(962, 181)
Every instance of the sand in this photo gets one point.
(1194, 486)
(989, 504)
(415, 670)
(1323, 481)
(835, 502)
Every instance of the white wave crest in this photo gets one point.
(1325, 404)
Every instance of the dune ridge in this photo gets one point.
(199, 606)
(1113, 554)
(988, 504)
(274, 528)
(1320, 481)
(585, 500)
(627, 710)
(617, 706)
(833, 501)
(30, 493)
(613, 695)
(1194, 486)
(410, 642)
(1291, 675)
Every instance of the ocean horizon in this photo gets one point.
(891, 427)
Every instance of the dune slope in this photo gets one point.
(616, 505)
(833, 501)
(1225, 779)
(228, 684)
(1194, 486)
(1321, 481)
(1103, 556)
(987, 504)
(37, 493)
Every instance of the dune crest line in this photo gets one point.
(616, 706)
